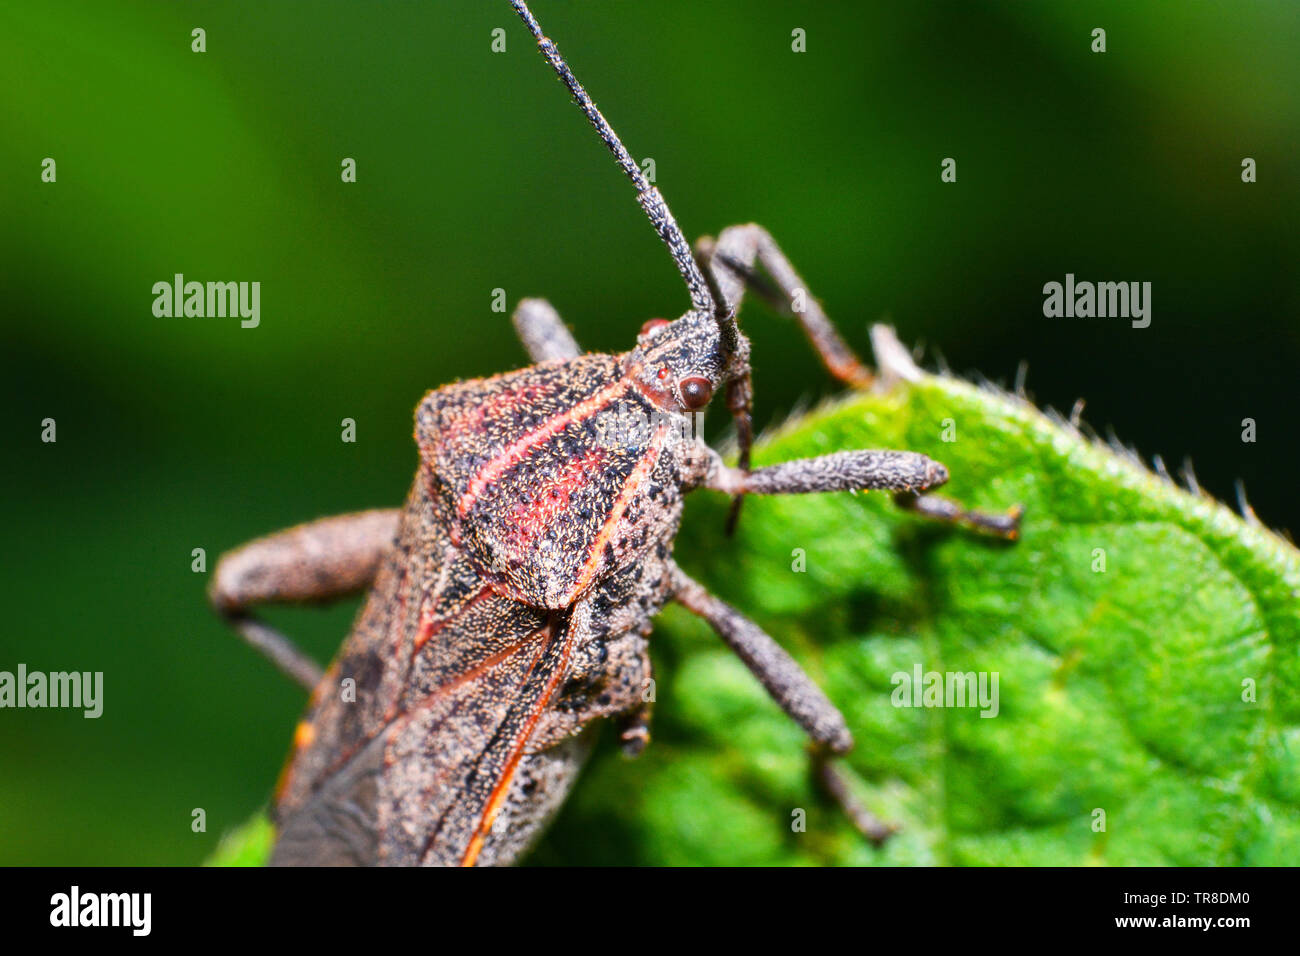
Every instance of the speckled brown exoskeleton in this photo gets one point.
(510, 600)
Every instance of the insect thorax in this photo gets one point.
(554, 477)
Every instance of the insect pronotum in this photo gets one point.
(511, 598)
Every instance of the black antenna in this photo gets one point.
(647, 195)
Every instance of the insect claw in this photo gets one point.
(1014, 514)
(633, 741)
(634, 734)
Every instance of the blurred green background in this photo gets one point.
(475, 173)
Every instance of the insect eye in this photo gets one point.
(696, 392)
(651, 324)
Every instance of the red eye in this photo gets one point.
(663, 373)
(696, 392)
(651, 324)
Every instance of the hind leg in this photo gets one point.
(311, 563)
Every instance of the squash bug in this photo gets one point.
(510, 600)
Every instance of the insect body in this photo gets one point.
(511, 598)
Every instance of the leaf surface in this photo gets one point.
(1124, 690)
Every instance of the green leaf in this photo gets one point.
(1124, 691)
(1119, 690)
(249, 845)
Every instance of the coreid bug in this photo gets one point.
(511, 598)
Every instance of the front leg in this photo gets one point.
(731, 261)
(904, 472)
(1005, 525)
(732, 258)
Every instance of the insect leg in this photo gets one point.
(905, 472)
(775, 669)
(831, 778)
(314, 562)
(731, 258)
(1005, 525)
(840, 471)
(543, 332)
(634, 730)
(793, 690)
